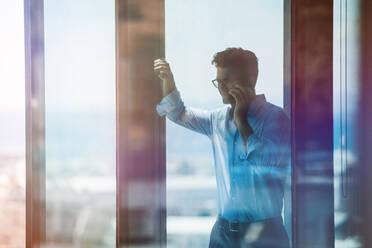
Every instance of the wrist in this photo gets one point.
(168, 86)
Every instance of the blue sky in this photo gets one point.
(196, 30)
(80, 39)
(79, 54)
(12, 80)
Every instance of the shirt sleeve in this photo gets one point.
(272, 148)
(194, 119)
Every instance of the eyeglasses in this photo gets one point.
(219, 84)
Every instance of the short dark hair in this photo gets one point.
(238, 58)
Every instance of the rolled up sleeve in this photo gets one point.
(194, 119)
(171, 103)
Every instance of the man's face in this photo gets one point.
(227, 78)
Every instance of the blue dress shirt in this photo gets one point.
(250, 185)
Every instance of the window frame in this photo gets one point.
(296, 90)
(130, 168)
(365, 121)
(35, 122)
(312, 132)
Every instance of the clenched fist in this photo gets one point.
(162, 69)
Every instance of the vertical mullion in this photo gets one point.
(35, 122)
(160, 141)
(141, 217)
(312, 123)
(122, 130)
(288, 198)
(365, 121)
(287, 57)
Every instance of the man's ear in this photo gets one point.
(251, 82)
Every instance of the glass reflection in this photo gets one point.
(193, 36)
(346, 100)
(12, 126)
(80, 123)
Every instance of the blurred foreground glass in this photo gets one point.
(195, 31)
(346, 77)
(12, 126)
(80, 123)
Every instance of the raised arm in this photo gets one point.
(173, 107)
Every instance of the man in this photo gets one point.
(250, 140)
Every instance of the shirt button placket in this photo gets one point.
(241, 157)
(233, 191)
(234, 150)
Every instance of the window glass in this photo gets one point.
(195, 31)
(346, 79)
(80, 122)
(12, 125)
